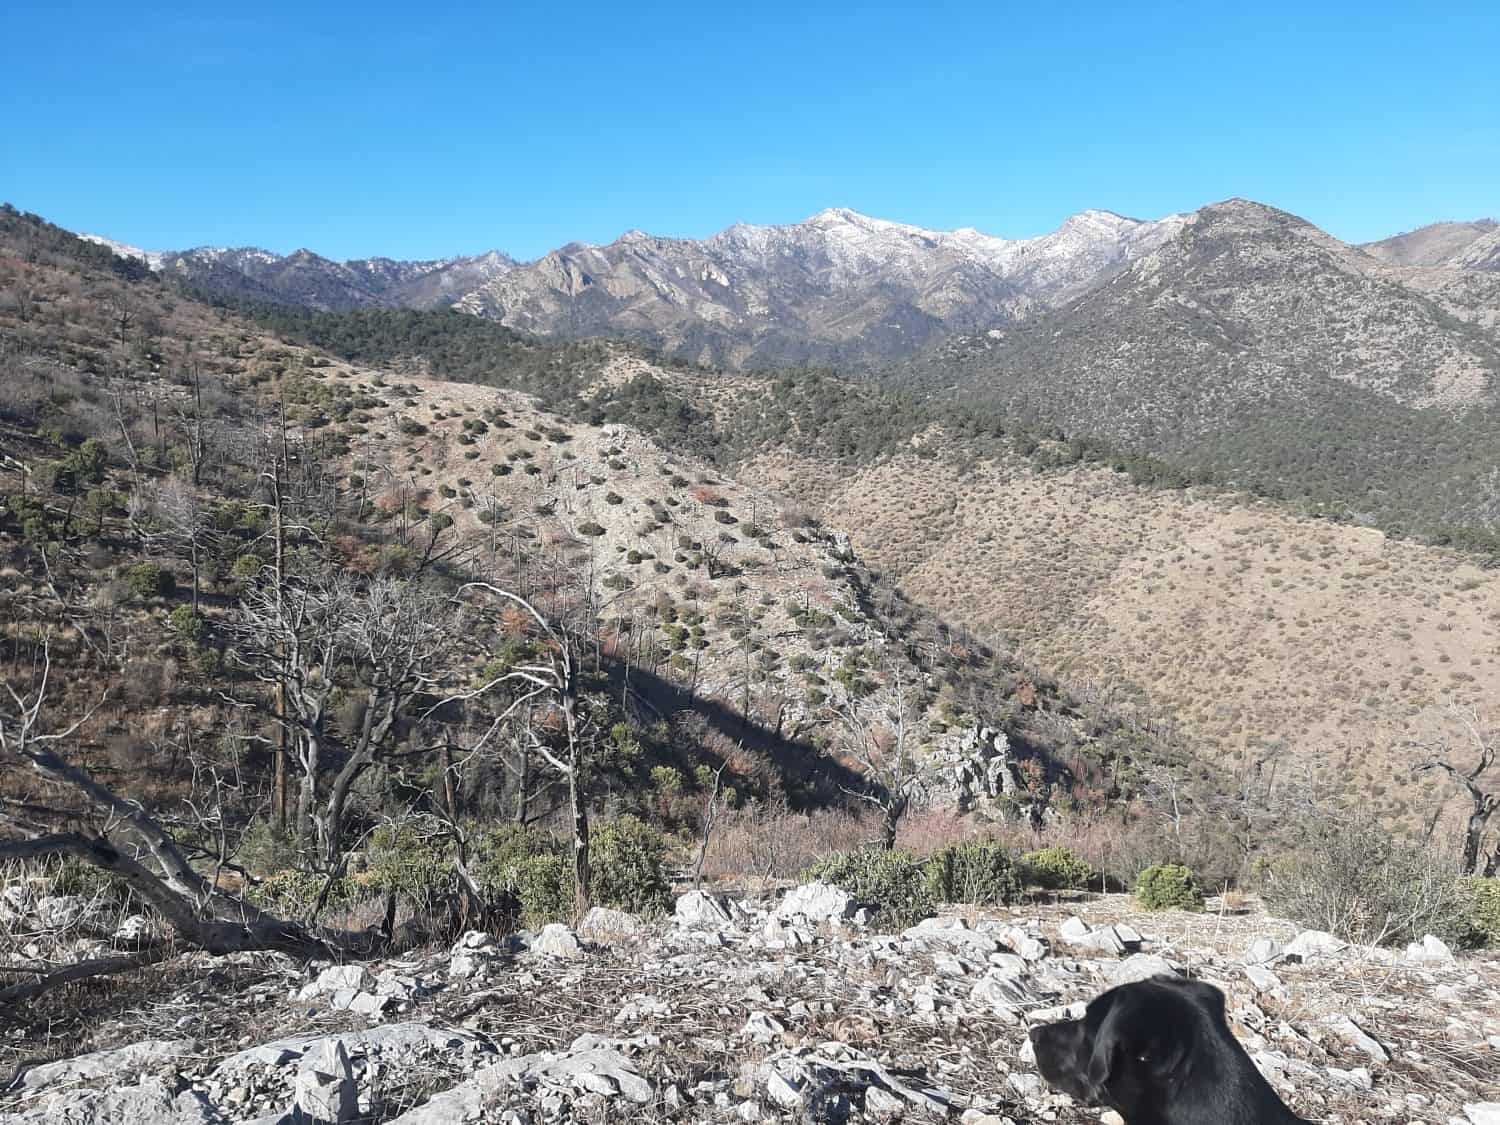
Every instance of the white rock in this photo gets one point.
(1026, 1084)
(761, 1028)
(556, 940)
(1359, 1077)
(697, 908)
(817, 902)
(338, 978)
(1008, 963)
(1008, 995)
(1261, 978)
(1356, 1036)
(1430, 950)
(1141, 966)
(1074, 928)
(326, 1091)
(370, 1003)
(1483, 1113)
(112, 1103)
(462, 966)
(133, 930)
(603, 924)
(1314, 943)
(951, 933)
(1129, 935)
(136, 1057)
(881, 1103)
(781, 1091)
(474, 939)
(1028, 946)
(1102, 940)
(1264, 951)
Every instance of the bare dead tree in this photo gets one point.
(1483, 802)
(385, 643)
(195, 426)
(136, 848)
(550, 684)
(1165, 796)
(169, 517)
(879, 741)
(713, 807)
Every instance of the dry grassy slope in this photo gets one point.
(1245, 625)
(615, 479)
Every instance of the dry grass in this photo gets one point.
(1243, 625)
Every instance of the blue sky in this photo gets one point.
(420, 131)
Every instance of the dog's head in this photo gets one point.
(1135, 1045)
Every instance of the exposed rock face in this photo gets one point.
(838, 288)
(979, 770)
(716, 1023)
(303, 279)
(817, 902)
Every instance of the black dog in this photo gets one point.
(1159, 1052)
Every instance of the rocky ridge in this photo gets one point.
(741, 1011)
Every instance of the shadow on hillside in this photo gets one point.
(807, 777)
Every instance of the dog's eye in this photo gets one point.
(1143, 1057)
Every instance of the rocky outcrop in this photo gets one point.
(737, 1011)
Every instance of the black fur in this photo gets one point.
(1159, 1052)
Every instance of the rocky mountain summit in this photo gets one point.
(760, 1010)
(847, 290)
(839, 287)
(304, 279)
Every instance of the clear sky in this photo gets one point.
(421, 130)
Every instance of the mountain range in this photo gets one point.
(839, 289)
(303, 279)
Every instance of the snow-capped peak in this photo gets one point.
(152, 258)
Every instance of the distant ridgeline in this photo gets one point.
(1343, 453)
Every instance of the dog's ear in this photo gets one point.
(1106, 1049)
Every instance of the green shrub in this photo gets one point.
(628, 866)
(590, 528)
(147, 580)
(74, 876)
(891, 880)
(1168, 886)
(666, 779)
(399, 860)
(246, 566)
(981, 872)
(1055, 869)
(188, 626)
(543, 887)
(529, 867)
(1481, 902)
(292, 894)
(1354, 879)
(266, 847)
